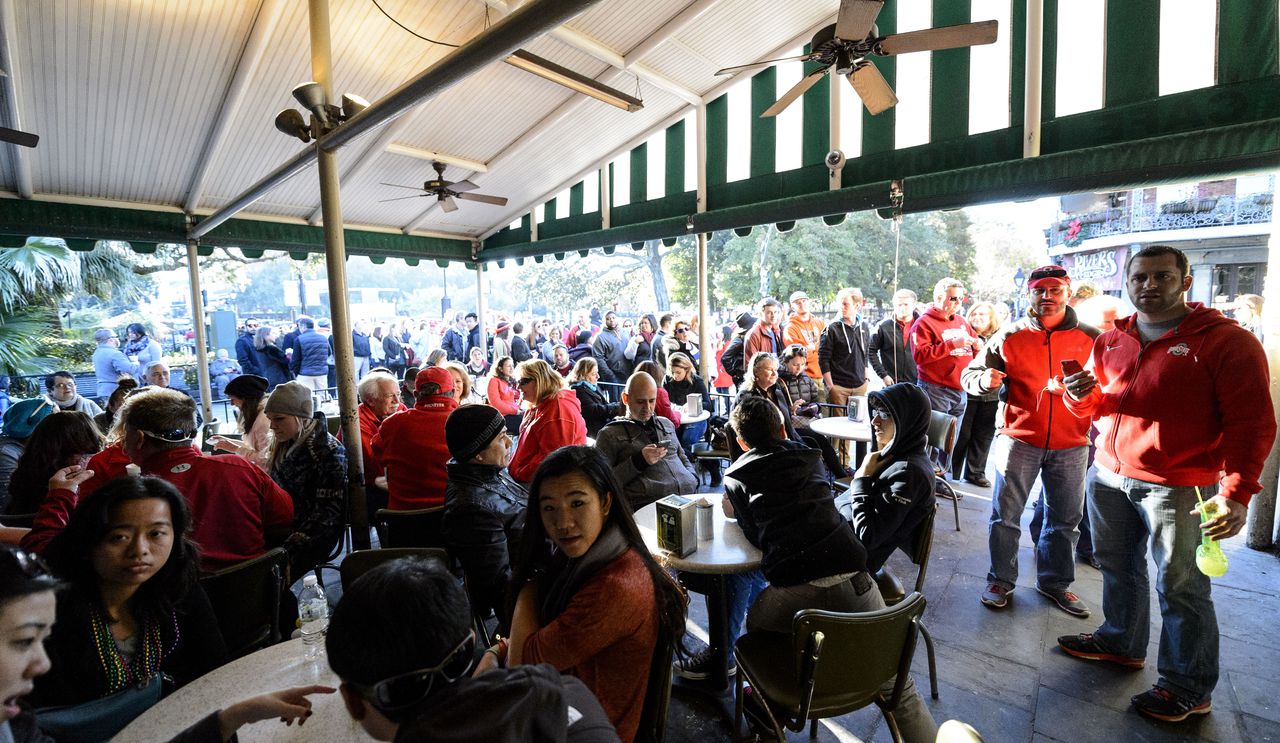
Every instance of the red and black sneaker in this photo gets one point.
(1084, 646)
(1163, 704)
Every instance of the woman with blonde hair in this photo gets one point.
(554, 418)
(978, 427)
(463, 391)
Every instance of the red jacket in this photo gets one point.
(411, 446)
(1031, 358)
(503, 396)
(553, 423)
(233, 505)
(756, 341)
(369, 425)
(1192, 408)
(937, 361)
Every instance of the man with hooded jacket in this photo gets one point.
(411, 445)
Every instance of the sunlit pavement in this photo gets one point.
(1001, 671)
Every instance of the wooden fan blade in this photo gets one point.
(856, 18)
(397, 185)
(22, 139)
(448, 204)
(946, 37)
(402, 198)
(753, 65)
(796, 91)
(462, 186)
(483, 198)
(872, 88)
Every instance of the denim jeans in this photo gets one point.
(690, 434)
(949, 401)
(1061, 472)
(1084, 546)
(1127, 516)
(741, 590)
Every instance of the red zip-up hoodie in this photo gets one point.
(1030, 356)
(936, 361)
(1192, 408)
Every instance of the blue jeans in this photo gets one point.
(741, 590)
(1127, 515)
(949, 401)
(1062, 473)
(690, 434)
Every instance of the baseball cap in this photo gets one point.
(798, 295)
(1048, 276)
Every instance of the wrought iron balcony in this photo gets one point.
(1213, 211)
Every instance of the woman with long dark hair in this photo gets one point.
(58, 441)
(141, 348)
(504, 393)
(588, 597)
(246, 392)
(134, 608)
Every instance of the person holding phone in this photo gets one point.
(642, 448)
(1038, 437)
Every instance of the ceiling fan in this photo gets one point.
(23, 139)
(445, 191)
(844, 45)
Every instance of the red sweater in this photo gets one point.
(1192, 408)
(551, 424)
(937, 362)
(503, 396)
(233, 505)
(606, 637)
(1031, 359)
(411, 447)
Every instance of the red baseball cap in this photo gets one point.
(1049, 276)
(437, 375)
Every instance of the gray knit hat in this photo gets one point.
(470, 428)
(290, 398)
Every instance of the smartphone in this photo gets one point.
(1071, 366)
(665, 443)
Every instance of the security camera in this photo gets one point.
(835, 161)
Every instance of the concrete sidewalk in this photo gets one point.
(1001, 671)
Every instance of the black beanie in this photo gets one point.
(470, 428)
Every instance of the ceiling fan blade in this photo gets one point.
(22, 139)
(856, 18)
(483, 198)
(402, 198)
(462, 186)
(448, 204)
(872, 88)
(766, 63)
(796, 91)
(946, 37)
(397, 185)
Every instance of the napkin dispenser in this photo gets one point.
(677, 525)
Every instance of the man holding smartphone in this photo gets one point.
(1038, 437)
(643, 449)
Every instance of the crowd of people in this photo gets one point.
(130, 516)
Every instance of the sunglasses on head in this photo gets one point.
(1049, 273)
(408, 689)
(18, 566)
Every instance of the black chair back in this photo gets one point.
(360, 562)
(422, 527)
(18, 520)
(246, 601)
(657, 696)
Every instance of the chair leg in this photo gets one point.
(737, 709)
(952, 496)
(893, 726)
(933, 666)
(813, 729)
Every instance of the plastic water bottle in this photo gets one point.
(313, 617)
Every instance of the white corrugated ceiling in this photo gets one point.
(126, 94)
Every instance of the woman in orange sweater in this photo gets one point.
(504, 393)
(591, 602)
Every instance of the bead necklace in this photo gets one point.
(119, 670)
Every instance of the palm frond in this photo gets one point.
(21, 334)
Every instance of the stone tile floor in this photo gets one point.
(1001, 671)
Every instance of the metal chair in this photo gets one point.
(657, 697)
(18, 520)
(360, 562)
(246, 601)
(423, 527)
(810, 675)
(942, 435)
(918, 551)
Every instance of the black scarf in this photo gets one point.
(574, 573)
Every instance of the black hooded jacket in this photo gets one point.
(886, 508)
(785, 507)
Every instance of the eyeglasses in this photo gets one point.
(526, 380)
(65, 386)
(410, 688)
(880, 413)
(682, 330)
(953, 299)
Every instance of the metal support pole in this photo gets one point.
(1033, 92)
(1263, 528)
(336, 268)
(707, 360)
(197, 319)
(480, 309)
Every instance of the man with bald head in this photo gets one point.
(643, 448)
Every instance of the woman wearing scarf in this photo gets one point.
(139, 347)
(591, 601)
(596, 410)
(640, 347)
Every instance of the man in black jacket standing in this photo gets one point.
(890, 346)
(609, 349)
(843, 351)
(244, 348)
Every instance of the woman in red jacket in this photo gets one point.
(592, 602)
(504, 394)
(554, 418)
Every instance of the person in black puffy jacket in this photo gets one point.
(596, 410)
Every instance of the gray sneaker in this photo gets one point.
(996, 596)
(1066, 601)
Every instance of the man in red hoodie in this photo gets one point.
(1179, 394)
(1039, 438)
(411, 444)
(942, 343)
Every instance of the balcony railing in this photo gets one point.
(1213, 211)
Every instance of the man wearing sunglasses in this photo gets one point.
(942, 344)
(402, 644)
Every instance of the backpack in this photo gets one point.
(732, 359)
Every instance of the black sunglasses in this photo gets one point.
(526, 380)
(682, 330)
(18, 566)
(408, 689)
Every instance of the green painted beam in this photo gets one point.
(1048, 60)
(575, 199)
(764, 132)
(640, 174)
(718, 140)
(1132, 71)
(1253, 50)
(949, 76)
(816, 140)
(1017, 35)
(675, 159)
(878, 130)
